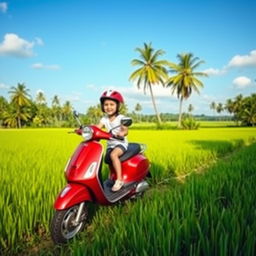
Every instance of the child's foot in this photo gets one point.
(118, 185)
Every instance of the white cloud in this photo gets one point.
(13, 45)
(236, 61)
(243, 60)
(4, 86)
(42, 66)
(3, 7)
(242, 82)
(215, 72)
(133, 92)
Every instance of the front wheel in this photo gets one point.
(64, 225)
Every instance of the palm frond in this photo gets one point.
(197, 82)
(136, 74)
(200, 74)
(137, 62)
(194, 66)
(156, 55)
(174, 67)
(151, 76)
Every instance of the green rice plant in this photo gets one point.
(189, 123)
(211, 214)
(178, 152)
(173, 125)
(31, 174)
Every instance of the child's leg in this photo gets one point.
(114, 155)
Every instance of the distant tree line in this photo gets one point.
(23, 111)
(242, 109)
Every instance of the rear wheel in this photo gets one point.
(64, 226)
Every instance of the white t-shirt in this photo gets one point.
(112, 143)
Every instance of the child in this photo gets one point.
(110, 105)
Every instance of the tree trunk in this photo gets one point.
(180, 112)
(154, 105)
(19, 122)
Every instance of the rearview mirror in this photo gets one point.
(126, 121)
(75, 113)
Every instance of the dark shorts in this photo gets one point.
(109, 150)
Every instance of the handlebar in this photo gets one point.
(117, 137)
(96, 133)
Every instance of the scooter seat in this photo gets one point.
(132, 150)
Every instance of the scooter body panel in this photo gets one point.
(71, 195)
(135, 168)
(84, 162)
(84, 168)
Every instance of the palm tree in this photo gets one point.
(238, 102)
(94, 113)
(190, 108)
(151, 71)
(213, 106)
(12, 116)
(229, 106)
(67, 110)
(10, 119)
(219, 108)
(247, 110)
(56, 109)
(3, 108)
(249, 116)
(184, 81)
(138, 108)
(124, 109)
(40, 98)
(55, 101)
(20, 100)
(238, 106)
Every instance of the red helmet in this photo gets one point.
(111, 95)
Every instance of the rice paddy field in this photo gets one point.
(201, 199)
(174, 124)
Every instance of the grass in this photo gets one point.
(31, 173)
(174, 124)
(211, 214)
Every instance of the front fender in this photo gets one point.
(71, 195)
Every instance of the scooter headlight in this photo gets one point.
(87, 133)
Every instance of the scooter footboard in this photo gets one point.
(71, 195)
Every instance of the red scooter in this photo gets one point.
(85, 184)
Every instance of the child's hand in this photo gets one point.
(118, 137)
(123, 132)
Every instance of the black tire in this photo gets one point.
(62, 229)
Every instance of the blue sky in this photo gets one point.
(77, 49)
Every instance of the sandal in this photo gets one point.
(118, 185)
